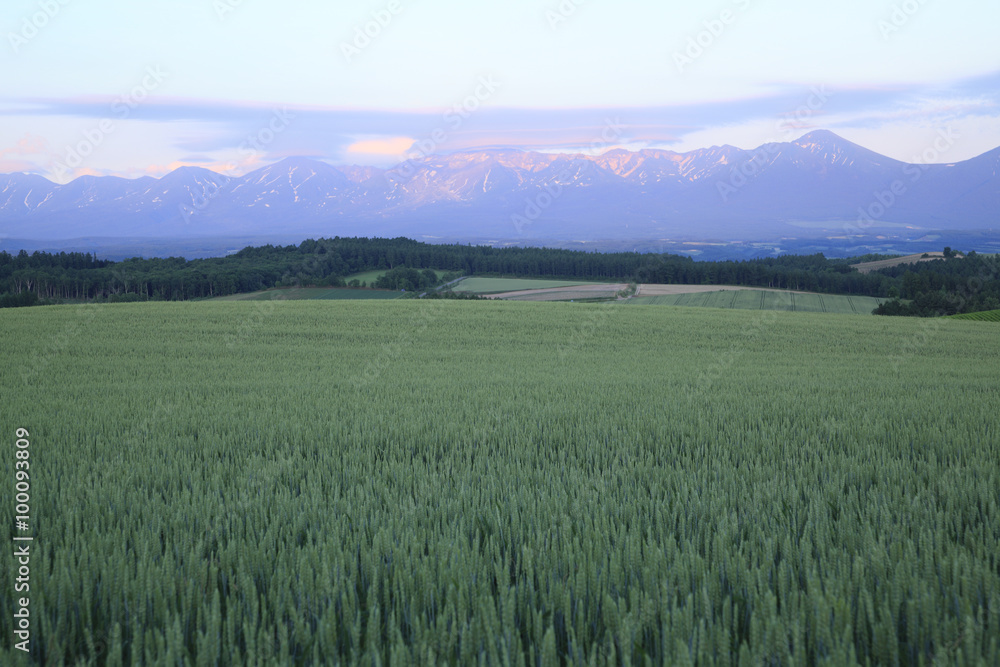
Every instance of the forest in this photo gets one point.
(950, 286)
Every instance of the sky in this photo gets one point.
(143, 87)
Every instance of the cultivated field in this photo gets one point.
(649, 289)
(300, 293)
(592, 291)
(482, 482)
(500, 285)
(751, 299)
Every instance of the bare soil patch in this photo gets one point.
(560, 293)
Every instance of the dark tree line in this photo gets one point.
(812, 273)
(328, 262)
(950, 287)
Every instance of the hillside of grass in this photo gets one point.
(749, 299)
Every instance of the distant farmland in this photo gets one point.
(500, 285)
(575, 292)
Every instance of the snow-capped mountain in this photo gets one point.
(816, 185)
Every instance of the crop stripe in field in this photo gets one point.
(983, 316)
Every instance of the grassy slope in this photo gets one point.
(750, 299)
(293, 473)
(301, 293)
(367, 276)
(371, 276)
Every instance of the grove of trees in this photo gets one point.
(953, 285)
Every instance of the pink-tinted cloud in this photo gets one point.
(29, 144)
(14, 166)
(389, 146)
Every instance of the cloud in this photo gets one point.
(164, 132)
(86, 171)
(29, 144)
(17, 166)
(395, 146)
(197, 159)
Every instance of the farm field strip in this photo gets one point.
(490, 286)
(594, 291)
(652, 289)
(564, 296)
(984, 316)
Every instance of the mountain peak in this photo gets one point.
(820, 179)
(824, 138)
(298, 160)
(185, 174)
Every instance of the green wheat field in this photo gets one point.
(408, 482)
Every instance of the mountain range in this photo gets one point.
(819, 185)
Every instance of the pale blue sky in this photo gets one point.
(136, 87)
